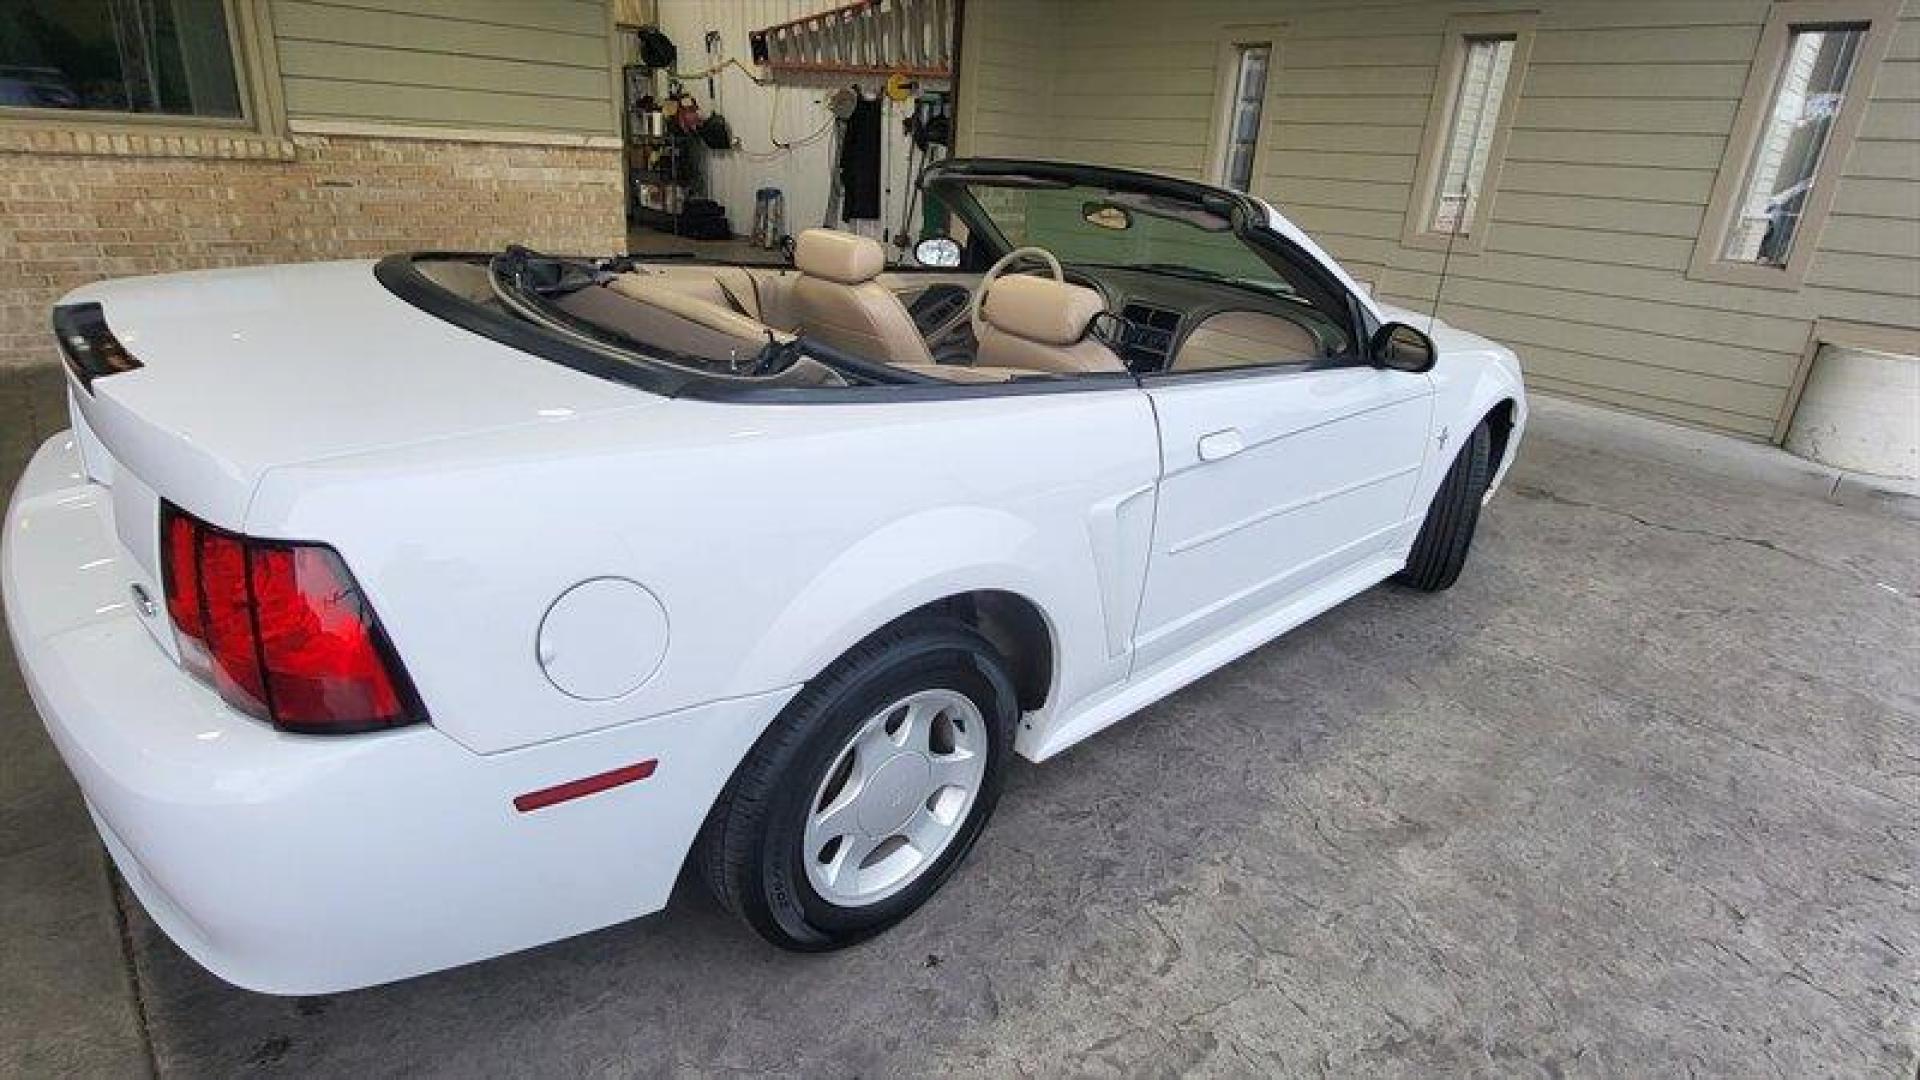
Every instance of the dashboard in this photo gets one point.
(1173, 324)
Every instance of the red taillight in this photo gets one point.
(231, 640)
(179, 535)
(323, 654)
(281, 630)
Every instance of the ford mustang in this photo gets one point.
(394, 615)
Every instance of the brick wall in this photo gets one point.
(153, 205)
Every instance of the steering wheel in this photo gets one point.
(997, 269)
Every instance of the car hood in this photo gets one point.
(1450, 339)
(245, 370)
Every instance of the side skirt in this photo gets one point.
(1145, 688)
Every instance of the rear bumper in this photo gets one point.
(296, 864)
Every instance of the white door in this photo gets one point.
(1273, 481)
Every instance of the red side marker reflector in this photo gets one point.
(586, 785)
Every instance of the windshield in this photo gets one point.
(1092, 226)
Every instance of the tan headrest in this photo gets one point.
(838, 256)
(1041, 310)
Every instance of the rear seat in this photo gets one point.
(656, 292)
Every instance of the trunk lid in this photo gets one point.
(245, 370)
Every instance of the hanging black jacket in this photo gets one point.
(860, 163)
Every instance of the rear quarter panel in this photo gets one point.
(776, 537)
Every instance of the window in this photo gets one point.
(1795, 131)
(1245, 77)
(1801, 109)
(144, 59)
(1467, 125)
(1242, 138)
(1476, 105)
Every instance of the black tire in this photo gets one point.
(750, 850)
(1440, 550)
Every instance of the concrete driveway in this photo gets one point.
(1641, 796)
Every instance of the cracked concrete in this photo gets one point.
(1641, 796)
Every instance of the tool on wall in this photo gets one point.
(897, 90)
(714, 131)
(931, 122)
(929, 129)
(840, 105)
(869, 37)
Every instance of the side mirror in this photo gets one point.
(1400, 347)
(938, 251)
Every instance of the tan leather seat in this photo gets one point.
(740, 291)
(1037, 324)
(837, 301)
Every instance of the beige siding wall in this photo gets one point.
(539, 65)
(1008, 50)
(1624, 117)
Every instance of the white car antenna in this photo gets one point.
(1468, 201)
(1433, 313)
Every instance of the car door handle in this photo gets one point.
(1221, 444)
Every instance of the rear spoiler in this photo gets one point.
(87, 342)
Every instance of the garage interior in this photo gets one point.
(1640, 796)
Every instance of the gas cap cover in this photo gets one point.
(602, 639)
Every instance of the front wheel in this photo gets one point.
(1440, 550)
(868, 789)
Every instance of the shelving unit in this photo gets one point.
(661, 175)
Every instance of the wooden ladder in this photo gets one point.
(869, 37)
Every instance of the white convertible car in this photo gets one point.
(396, 615)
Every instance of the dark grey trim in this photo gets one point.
(932, 390)
(1250, 371)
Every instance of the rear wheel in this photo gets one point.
(868, 789)
(1440, 551)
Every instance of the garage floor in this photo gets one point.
(1640, 796)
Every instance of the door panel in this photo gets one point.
(1271, 484)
